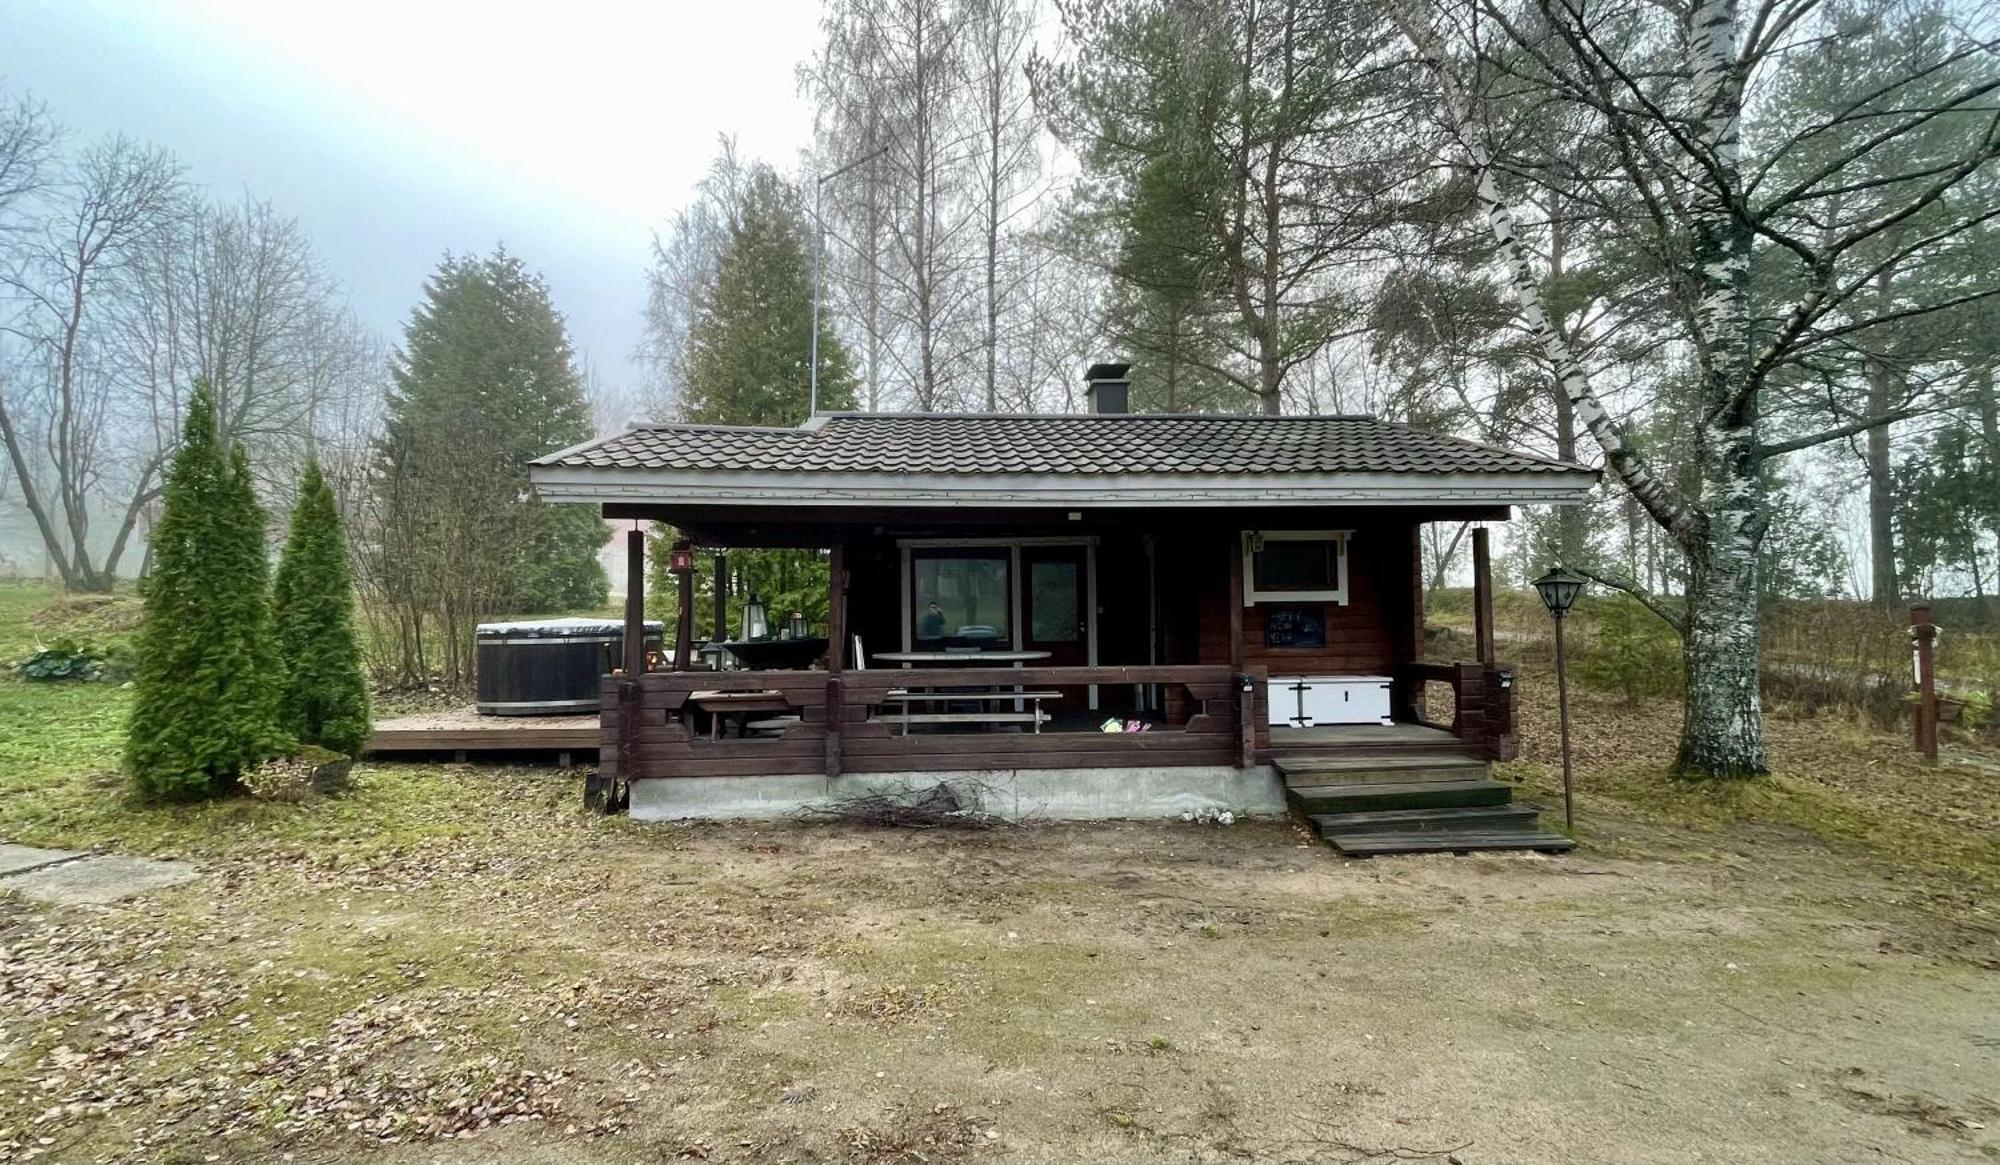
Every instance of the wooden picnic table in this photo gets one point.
(1032, 714)
(719, 704)
(1028, 705)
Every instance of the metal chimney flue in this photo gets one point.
(1107, 389)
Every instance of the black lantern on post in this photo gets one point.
(1559, 589)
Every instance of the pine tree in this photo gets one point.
(205, 695)
(324, 699)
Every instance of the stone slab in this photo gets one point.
(98, 880)
(16, 859)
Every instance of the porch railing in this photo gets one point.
(1483, 703)
(841, 723)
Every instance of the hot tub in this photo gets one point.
(542, 667)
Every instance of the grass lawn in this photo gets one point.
(453, 963)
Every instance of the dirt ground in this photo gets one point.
(541, 986)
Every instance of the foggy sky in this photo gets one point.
(397, 131)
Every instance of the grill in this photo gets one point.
(547, 667)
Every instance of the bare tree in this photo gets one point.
(73, 448)
(1712, 210)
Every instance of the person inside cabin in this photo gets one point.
(932, 625)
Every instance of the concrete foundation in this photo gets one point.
(1046, 794)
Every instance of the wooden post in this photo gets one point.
(1482, 596)
(635, 603)
(1246, 720)
(836, 648)
(1923, 634)
(630, 694)
(721, 565)
(836, 607)
(1235, 603)
(684, 622)
(832, 725)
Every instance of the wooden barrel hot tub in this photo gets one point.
(545, 667)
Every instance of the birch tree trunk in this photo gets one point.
(1720, 534)
(1723, 734)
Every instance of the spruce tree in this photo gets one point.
(485, 382)
(749, 349)
(324, 699)
(204, 703)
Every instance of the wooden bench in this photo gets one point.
(909, 699)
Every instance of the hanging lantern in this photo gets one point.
(1559, 589)
(756, 621)
(680, 559)
(795, 627)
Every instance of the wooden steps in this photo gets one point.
(1319, 799)
(1368, 845)
(1305, 772)
(1368, 805)
(1458, 819)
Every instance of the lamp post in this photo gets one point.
(1559, 588)
(819, 235)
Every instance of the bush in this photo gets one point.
(205, 701)
(325, 696)
(1635, 653)
(64, 660)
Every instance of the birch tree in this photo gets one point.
(1712, 211)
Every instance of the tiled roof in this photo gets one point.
(1094, 445)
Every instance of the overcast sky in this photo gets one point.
(396, 131)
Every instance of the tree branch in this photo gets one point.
(1858, 425)
(1664, 503)
(1646, 598)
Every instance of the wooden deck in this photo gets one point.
(461, 730)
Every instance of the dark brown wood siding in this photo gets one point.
(1373, 632)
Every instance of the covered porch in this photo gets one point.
(1105, 649)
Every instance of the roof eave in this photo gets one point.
(557, 483)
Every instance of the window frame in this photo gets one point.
(1253, 540)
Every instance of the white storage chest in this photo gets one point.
(1306, 701)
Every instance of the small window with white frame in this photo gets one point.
(1289, 566)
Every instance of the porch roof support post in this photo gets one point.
(1482, 595)
(684, 620)
(1235, 604)
(720, 564)
(635, 603)
(836, 606)
(836, 649)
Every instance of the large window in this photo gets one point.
(1290, 565)
(961, 599)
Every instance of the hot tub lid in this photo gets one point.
(571, 628)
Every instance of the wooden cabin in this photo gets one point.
(1093, 615)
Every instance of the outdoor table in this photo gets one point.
(961, 658)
